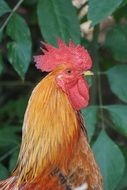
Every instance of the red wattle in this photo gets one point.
(78, 94)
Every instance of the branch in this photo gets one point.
(10, 15)
(96, 68)
(9, 153)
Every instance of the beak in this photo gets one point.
(88, 73)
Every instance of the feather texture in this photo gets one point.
(54, 154)
(47, 134)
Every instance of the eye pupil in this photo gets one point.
(69, 71)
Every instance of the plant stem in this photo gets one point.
(8, 153)
(10, 15)
(96, 69)
(107, 122)
(100, 98)
(94, 53)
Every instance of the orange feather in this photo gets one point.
(54, 153)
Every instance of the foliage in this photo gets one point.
(60, 21)
(23, 24)
(108, 165)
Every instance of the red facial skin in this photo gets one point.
(74, 85)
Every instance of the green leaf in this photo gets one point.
(13, 160)
(99, 10)
(117, 77)
(3, 172)
(90, 118)
(85, 43)
(8, 136)
(4, 8)
(116, 41)
(110, 159)
(119, 117)
(57, 18)
(19, 50)
(6, 110)
(123, 182)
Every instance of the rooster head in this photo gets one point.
(73, 63)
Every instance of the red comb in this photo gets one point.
(77, 56)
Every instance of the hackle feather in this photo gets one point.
(50, 131)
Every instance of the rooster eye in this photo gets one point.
(69, 71)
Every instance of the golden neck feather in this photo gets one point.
(50, 131)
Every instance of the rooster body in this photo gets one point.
(55, 154)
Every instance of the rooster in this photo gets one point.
(55, 153)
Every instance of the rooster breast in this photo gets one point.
(82, 174)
